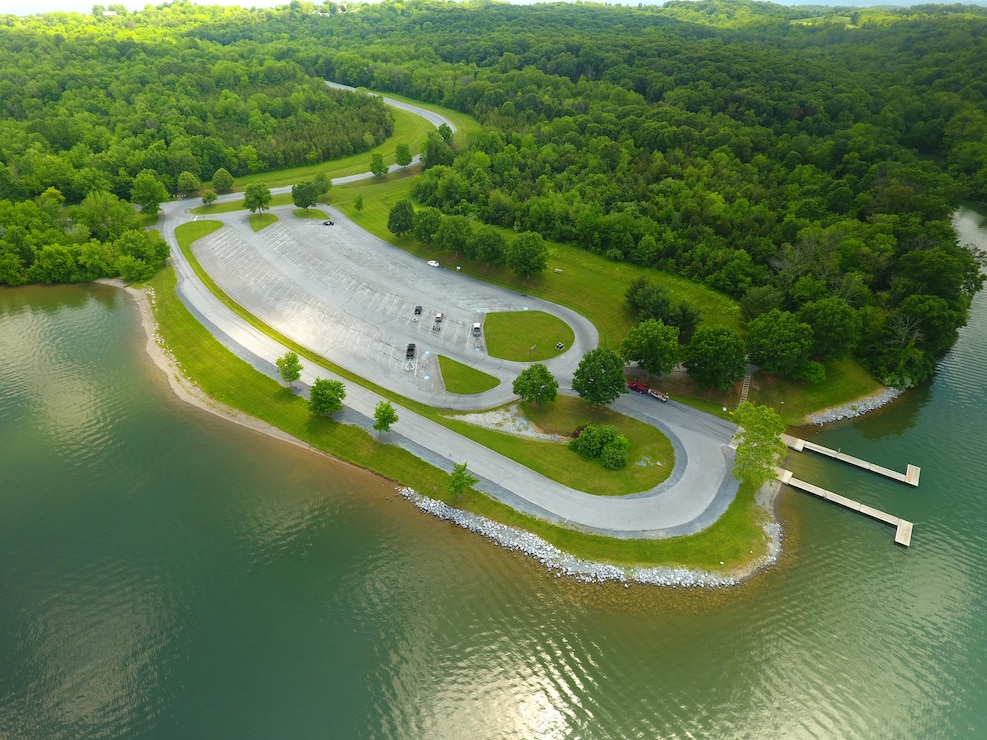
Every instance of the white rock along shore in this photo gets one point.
(855, 408)
(511, 538)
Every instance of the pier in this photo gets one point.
(903, 529)
(910, 476)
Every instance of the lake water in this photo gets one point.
(164, 573)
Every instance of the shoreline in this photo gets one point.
(510, 538)
(853, 409)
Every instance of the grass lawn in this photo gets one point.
(733, 539)
(525, 336)
(193, 230)
(309, 213)
(650, 458)
(845, 381)
(260, 221)
(463, 379)
(588, 283)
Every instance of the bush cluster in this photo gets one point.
(603, 443)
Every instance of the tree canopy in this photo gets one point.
(716, 357)
(536, 384)
(326, 397)
(599, 377)
(654, 346)
(759, 446)
(650, 135)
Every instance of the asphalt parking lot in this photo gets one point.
(351, 298)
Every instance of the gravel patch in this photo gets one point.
(508, 419)
(855, 408)
(565, 565)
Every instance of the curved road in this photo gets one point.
(350, 297)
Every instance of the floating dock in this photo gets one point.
(910, 476)
(903, 529)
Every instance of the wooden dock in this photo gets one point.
(910, 476)
(903, 529)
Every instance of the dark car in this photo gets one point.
(418, 310)
(409, 353)
(638, 387)
(327, 223)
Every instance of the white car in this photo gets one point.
(433, 263)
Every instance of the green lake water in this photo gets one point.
(164, 573)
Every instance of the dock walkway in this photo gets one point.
(903, 529)
(910, 476)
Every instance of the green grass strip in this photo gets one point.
(463, 379)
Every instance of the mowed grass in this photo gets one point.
(194, 230)
(309, 213)
(730, 542)
(463, 379)
(260, 221)
(525, 336)
(650, 458)
(588, 283)
(845, 381)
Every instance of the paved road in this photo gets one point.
(350, 297)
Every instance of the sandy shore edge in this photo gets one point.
(511, 538)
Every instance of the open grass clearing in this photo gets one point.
(260, 221)
(525, 336)
(463, 379)
(845, 381)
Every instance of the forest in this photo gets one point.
(803, 160)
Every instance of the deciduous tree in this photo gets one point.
(256, 197)
(384, 416)
(779, 343)
(759, 446)
(426, 224)
(326, 397)
(527, 254)
(223, 181)
(835, 327)
(599, 378)
(401, 217)
(187, 184)
(654, 346)
(461, 479)
(716, 357)
(148, 192)
(536, 384)
(289, 367)
(305, 194)
(488, 245)
(377, 165)
(403, 154)
(454, 234)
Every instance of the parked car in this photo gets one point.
(418, 310)
(476, 330)
(409, 353)
(638, 387)
(433, 263)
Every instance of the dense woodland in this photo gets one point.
(803, 160)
